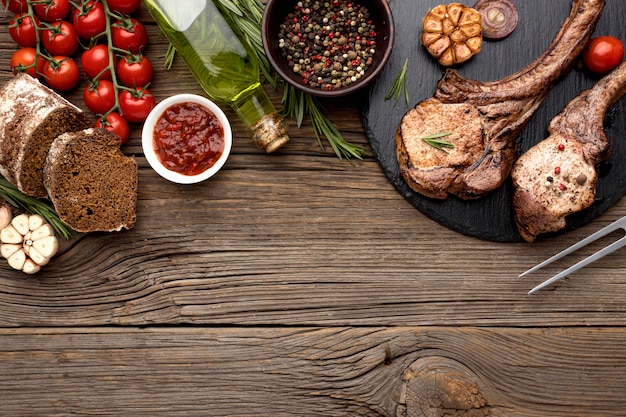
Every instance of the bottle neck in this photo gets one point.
(252, 104)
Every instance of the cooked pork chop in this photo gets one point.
(557, 176)
(484, 118)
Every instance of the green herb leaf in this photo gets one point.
(34, 206)
(399, 85)
(434, 141)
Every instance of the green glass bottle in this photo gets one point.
(225, 69)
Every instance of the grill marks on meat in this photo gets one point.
(576, 143)
(485, 117)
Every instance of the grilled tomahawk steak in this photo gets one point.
(557, 176)
(484, 118)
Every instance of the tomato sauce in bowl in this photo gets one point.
(186, 138)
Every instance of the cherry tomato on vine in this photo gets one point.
(603, 53)
(23, 60)
(96, 59)
(16, 6)
(135, 105)
(115, 123)
(124, 6)
(23, 31)
(60, 38)
(135, 70)
(89, 19)
(61, 73)
(99, 96)
(52, 10)
(129, 34)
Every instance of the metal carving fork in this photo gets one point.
(618, 224)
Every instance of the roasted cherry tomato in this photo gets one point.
(23, 31)
(16, 6)
(52, 10)
(95, 60)
(61, 73)
(99, 96)
(115, 123)
(60, 38)
(23, 60)
(124, 6)
(603, 53)
(135, 71)
(89, 19)
(129, 34)
(135, 105)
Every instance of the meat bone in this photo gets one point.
(485, 118)
(543, 198)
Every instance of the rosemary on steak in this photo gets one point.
(435, 141)
(399, 86)
(33, 205)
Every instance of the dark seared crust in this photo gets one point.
(504, 107)
(91, 183)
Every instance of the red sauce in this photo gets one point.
(188, 138)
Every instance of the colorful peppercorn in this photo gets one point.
(329, 44)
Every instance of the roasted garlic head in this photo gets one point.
(452, 33)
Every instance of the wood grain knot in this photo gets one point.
(436, 387)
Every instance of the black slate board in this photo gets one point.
(490, 218)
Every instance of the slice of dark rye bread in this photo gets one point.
(91, 183)
(31, 116)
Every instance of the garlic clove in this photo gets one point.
(35, 221)
(6, 215)
(47, 246)
(20, 223)
(37, 257)
(30, 267)
(9, 249)
(42, 231)
(17, 260)
(10, 235)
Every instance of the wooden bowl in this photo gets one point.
(274, 16)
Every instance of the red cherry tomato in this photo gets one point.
(135, 71)
(95, 60)
(99, 96)
(124, 6)
(115, 123)
(129, 34)
(136, 105)
(23, 60)
(52, 10)
(16, 6)
(23, 31)
(61, 73)
(602, 54)
(89, 19)
(60, 38)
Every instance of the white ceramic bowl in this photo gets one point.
(148, 144)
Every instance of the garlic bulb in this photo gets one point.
(28, 243)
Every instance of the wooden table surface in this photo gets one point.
(299, 284)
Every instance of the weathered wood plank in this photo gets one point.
(197, 371)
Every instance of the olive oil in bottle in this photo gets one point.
(219, 60)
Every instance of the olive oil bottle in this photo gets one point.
(227, 72)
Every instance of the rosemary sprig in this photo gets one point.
(434, 141)
(399, 85)
(35, 206)
(246, 16)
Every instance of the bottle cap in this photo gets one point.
(270, 132)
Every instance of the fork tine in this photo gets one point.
(591, 258)
(618, 224)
